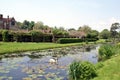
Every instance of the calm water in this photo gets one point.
(36, 66)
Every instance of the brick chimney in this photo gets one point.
(1, 16)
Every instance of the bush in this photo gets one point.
(47, 38)
(5, 35)
(35, 35)
(106, 51)
(69, 40)
(82, 71)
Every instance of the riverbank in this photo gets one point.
(13, 47)
(110, 69)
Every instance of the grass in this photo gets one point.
(11, 47)
(110, 69)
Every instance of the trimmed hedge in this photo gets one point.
(69, 40)
(75, 40)
(91, 39)
(32, 36)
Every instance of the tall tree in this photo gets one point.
(39, 25)
(59, 32)
(19, 24)
(105, 34)
(114, 30)
(85, 29)
(31, 25)
(25, 24)
(93, 34)
(71, 29)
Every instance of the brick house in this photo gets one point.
(7, 23)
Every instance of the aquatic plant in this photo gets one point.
(82, 71)
(106, 51)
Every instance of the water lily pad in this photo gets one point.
(27, 78)
(10, 78)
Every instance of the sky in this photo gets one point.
(98, 14)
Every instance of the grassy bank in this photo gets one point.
(110, 69)
(10, 47)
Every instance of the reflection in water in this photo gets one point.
(36, 66)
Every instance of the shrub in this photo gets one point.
(106, 51)
(5, 35)
(69, 40)
(35, 35)
(47, 38)
(82, 71)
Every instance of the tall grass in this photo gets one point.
(106, 51)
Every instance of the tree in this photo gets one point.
(31, 25)
(71, 29)
(25, 24)
(19, 24)
(114, 30)
(93, 34)
(59, 32)
(105, 34)
(85, 29)
(39, 25)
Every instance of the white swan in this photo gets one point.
(53, 60)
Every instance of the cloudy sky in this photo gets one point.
(98, 14)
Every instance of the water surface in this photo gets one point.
(36, 66)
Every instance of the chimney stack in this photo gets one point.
(1, 16)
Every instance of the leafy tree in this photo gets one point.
(105, 34)
(25, 24)
(114, 30)
(93, 34)
(71, 29)
(59, 32)
(19, 24)
(39, 25)
(31, 25)
(85, 29)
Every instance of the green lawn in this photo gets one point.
(110, 70)
(10, 47)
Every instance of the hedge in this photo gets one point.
(69, 40)
(32, 36)
(5, 35)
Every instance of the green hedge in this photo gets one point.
(32, 36)
(75, 40)
(69, 40)
(5, 35)
(91, 39)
